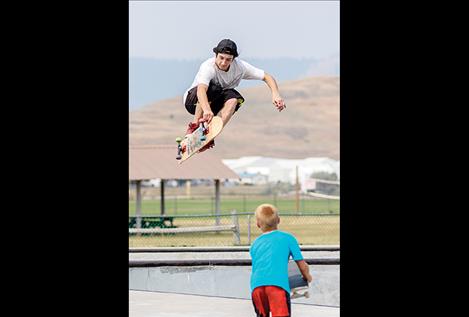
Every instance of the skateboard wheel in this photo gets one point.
(178, 139)
(203, 138)
(178, 157)
(307, 294)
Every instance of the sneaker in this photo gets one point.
(209, 145)
(191, 127)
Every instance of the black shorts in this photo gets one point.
(216, 97)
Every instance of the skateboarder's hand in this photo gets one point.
(207, 116)
(278, 102)
(310, 278)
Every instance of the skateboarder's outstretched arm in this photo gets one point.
(304, 269)
(207, 113)
(277, 100)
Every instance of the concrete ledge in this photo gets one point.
(224, 262)
(227, 249)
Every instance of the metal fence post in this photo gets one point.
(139, 204)
(249, 229)
(217, 201)
(237, 238)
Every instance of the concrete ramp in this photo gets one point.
(229, 281)
(155, 304)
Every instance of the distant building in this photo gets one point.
(309, 185)
(253, 178)
(321, 186)
(284, 170)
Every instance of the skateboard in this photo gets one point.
(192, 143)
(298, 285)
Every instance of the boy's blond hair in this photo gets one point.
(267, 216)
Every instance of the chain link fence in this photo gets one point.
(228, 229)
(181, 205)
(190, 215)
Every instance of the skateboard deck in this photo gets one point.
(298, 285)
(192, 143)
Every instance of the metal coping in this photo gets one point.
(223, 249)
(223, 262)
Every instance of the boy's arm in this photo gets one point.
(304, 269)
(203, 101)
(277, 100)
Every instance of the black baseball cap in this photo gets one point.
(226, 46)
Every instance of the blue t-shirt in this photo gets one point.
(270, 254)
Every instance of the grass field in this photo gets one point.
(318, 224)
(184, 206)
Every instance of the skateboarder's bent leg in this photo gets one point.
(194, 124)
(225, 114)
(228, 110)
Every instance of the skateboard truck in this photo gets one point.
(202, 127)
(178, 140)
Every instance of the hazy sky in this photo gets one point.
(261, 29)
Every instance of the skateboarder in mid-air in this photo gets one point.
(212, 91)
(270, 287)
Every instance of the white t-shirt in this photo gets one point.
(238, 70)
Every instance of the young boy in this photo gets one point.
(270, 290)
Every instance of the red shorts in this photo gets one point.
(273, 299)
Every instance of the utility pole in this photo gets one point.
(297, 192)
